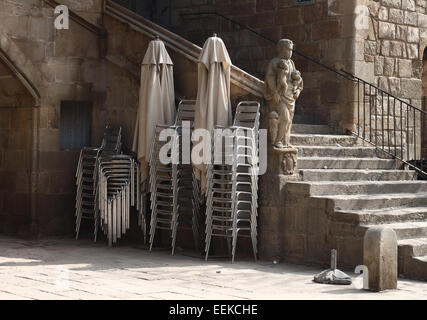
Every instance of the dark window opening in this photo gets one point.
(75, 124)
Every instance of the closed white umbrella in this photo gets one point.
(156, 100)
(213, 105)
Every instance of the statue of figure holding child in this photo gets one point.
(283, 84)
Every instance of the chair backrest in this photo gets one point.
(247, 114)
(111, 141)
(186, 109)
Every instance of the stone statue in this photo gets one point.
(289, 161)
(283, 87)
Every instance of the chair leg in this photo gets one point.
(254, 245)
(234, 246)
(174, 231)
(208, 243)
(152, 238)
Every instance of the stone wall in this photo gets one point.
(311, 230)
(15, 154)
(380, 41)
(323, 31)
(61, 65)
(122, 68)
(71, 65)
(91, 10)
(393, 47)
(126, 48)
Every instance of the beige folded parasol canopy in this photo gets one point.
(213, 106)
(156, 100)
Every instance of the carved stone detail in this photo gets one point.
(288, 159)
(283, 87)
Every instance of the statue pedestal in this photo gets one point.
(287, 156)
(283, 85)
(281, 169)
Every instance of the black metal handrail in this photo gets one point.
(370, 101)
(375, 98)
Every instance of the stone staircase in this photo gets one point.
(344, 186)
(344, 189)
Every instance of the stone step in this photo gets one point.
(346, 163)
(384, 215)
(413, 247)
(356, 175)
(413, 267)
(377, 201)
(413, 258)
(355, 187)
(324, 140)
(334, 151)
(305, 119)
(311, 128)
(404, 230)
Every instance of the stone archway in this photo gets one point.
(18, 99)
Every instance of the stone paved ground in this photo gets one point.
(68, 269)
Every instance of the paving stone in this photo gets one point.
(99, 277)
(358, 190)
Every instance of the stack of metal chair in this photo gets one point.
(117, 190)
(173, 187)
(232, 180)
(86, 176)
(112, 140)
(142, 212)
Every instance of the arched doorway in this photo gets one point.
(16, 145)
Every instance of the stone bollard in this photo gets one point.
(380, 256)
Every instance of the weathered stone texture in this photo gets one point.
(61, 65)
(399, 41)
(15, 154)
(387, 30)
(380, 256)
(324, 31)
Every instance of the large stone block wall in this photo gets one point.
(323, 31)
(122, 69)
(15, 170)
(393, 48)
(62, 65)
(69, 65)
(91, 10)
(386, 52)
(311, 230)
(272, 206)
(15, 154)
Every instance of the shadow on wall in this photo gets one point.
(16, 121)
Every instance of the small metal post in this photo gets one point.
(333, 259)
